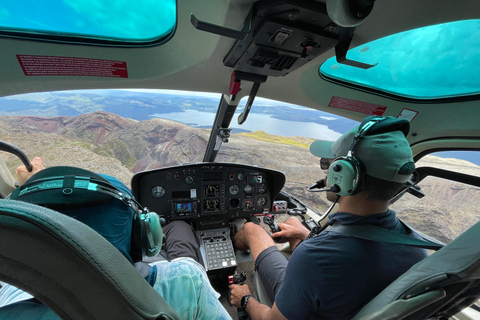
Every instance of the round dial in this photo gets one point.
(241, 176)
(248, 189)
(189, 180)
(234, 189)
(248, 205)
(211, 190)
(234, 203)
(261, 201)
(158, 191)
(262, 188)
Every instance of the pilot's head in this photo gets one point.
(108, 216)
(374, 158)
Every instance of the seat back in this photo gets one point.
(439, 286)
(7, 181)
(71, 268)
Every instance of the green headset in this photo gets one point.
(346, 174)
(61, 188)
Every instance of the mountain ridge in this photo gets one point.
(108, 143)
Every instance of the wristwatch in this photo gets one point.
(244, 300)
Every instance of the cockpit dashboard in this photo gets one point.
(209, 195)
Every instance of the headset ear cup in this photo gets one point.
(360, 185)
(153, 234)
(344, 173)
(137, 250)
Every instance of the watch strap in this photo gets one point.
(244, 300)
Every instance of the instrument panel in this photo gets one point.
(210, 194)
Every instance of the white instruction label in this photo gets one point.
(407, 114)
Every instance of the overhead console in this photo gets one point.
(279, 36)
(208, 194)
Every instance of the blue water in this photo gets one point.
(255, 122)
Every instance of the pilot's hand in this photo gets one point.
(22, 173)
(236, 294)
(289, 232)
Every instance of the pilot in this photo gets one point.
(331, 275)
(182, 281)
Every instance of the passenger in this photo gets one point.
(331, 276)
(182, 282)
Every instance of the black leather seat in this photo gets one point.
(71, 268)
(437, 287)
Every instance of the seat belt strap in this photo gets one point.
(375, 233)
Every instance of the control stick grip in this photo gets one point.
(269, 220)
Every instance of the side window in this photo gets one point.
(450, 206)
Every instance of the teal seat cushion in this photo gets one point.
(28, 310)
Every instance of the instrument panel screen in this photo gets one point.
(184, 207)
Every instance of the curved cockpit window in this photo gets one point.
(122, 132)
(113, 22)
(433, 62)
(449, 205)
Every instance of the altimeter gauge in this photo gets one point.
(158, 192)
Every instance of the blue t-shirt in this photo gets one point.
(332, 276)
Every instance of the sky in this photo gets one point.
(431, 62)
(145, 19)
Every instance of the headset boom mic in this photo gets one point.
(320, 184)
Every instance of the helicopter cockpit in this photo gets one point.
(206, 111)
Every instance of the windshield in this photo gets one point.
(122, 132)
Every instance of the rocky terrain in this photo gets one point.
(107, 143)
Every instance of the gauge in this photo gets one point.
(248, 205)
(241, 176)
(211, 190)
(262, 188)
(249, 189)
(231, 175)
(211, 205)
(234, 203)
(158, 191)
(189, 179)
(261, 201)
(234, 189)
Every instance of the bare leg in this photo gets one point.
(253, 237)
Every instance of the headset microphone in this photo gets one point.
(321, 184)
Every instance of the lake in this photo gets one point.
(255, 122)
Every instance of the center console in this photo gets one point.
(209, 196)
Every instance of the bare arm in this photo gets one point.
(258, 311)
(255, 309)
(292, 231)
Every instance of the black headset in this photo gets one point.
(86, 189)
(346, 174)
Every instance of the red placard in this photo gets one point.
(357, 106)
(33, 65)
